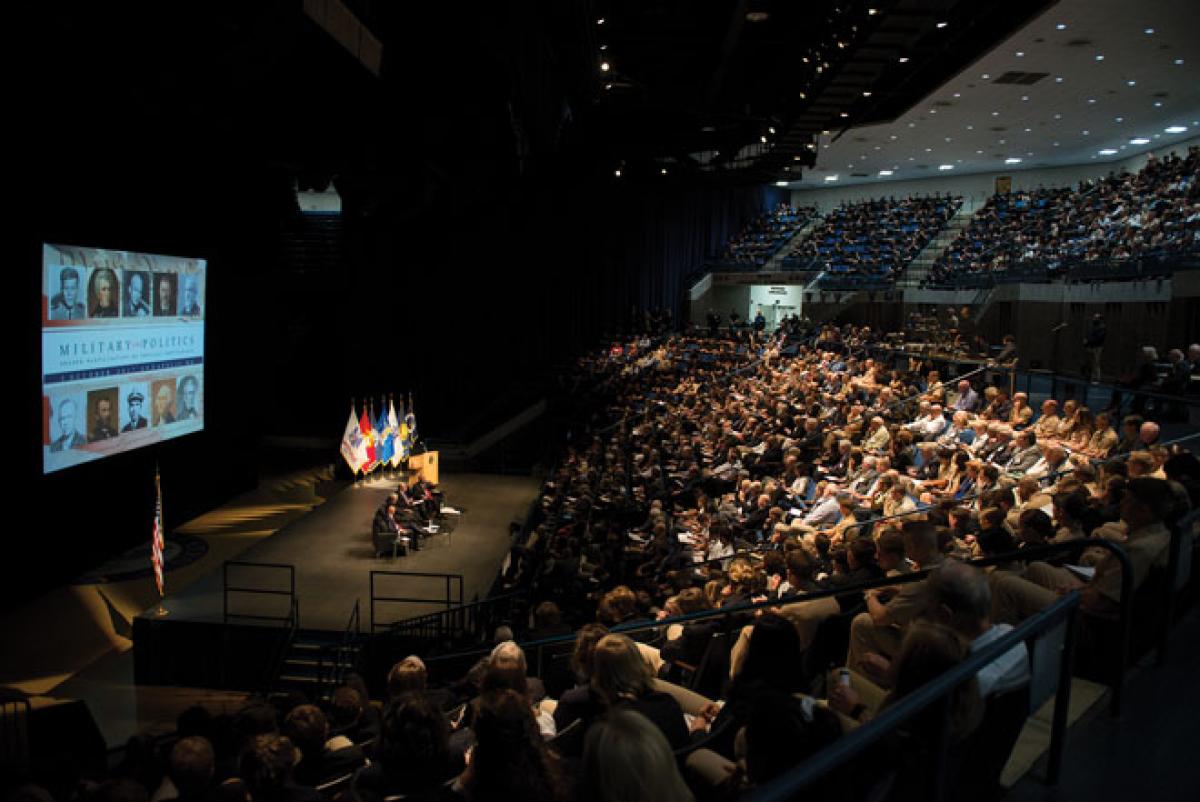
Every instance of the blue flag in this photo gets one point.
(386, 440)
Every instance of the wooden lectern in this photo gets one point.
(423, 467)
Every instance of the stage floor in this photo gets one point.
(333, 556)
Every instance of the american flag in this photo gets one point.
(156, 543)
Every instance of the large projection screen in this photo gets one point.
(122, 352)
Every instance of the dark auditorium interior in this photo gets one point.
(750, 400)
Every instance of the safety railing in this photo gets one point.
(940, 691)
(451, 596)
(281, 584)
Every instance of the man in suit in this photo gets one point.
(136, 419)
(191, 296)
(135, 296)
(69, 437)
(66, 304)
(103, 428)
(968, 399)
(385, 528)
(1025, 454)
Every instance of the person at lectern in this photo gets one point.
(103, 293)
(189, 388)
(66, 304)
(164, 296)
(136, 419)
(136, 304)
(103, 427)
(164, 404)
(190, 307)
(68, 436)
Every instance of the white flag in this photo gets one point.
(354, 447)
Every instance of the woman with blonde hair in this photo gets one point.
(622, 680)
(627, 759)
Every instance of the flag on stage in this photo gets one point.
(367, 431)
(156, 540)
(405, 441)
(411, 420)
(386, 437)
(354, 447)
(394, 425)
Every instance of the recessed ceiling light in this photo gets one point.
(866, 94)
(958, 94)
(845, 114)
(872, 12)
(1120, 119)
(985, 76)
(929, 150)
(1058, 116)
(933, 111)
(1058, 79)
(757, 16)
(904, 59)
(995, 114)
(1027, 130)
(1158, 104)
(1056, 144)
(605, 66)
(912, 125)
(970, 128)
(1108, 152)
(608, 86)
(1024, 97)
(1020, 54)
(1062, 26)
(942, 24)
(1175, 129)
(617, 173)
(1099, 57)
(893, 136)
(763, 139)
(877, 148)
(1001, 141)
(945, 166)
(978, 152)
(664, 171)
(600, 21)
(1178, 62)
(604, 47)
(1139, 140)
(1013, 160)
(1148, 31)
(885, 172)
(771, 129)
(947, 139)
(831, 178)
(1085, 133)
(781, 183)
(1131, 83)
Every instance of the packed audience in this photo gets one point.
(1126, 216)
(875, 238)
(762, 237)
(703, 474)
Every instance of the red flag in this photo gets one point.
(156, 542)
(364, 426)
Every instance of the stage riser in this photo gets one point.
(201, 654)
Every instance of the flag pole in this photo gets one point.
(156, 547)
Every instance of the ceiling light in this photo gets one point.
(958, 94)
(1091, 100)
(1158, 104)
(995, 114)
(872, 12)
(1148, 31)
(933, 111)
(604, 66)
(1120, 119)
(912, 125)
(664, 171)
(1099, 57)
(866, 94)
(1131, 83)
(1178, 62)
(942, 24)
(771, 129)
(781, 183)
(945, 166)
(1085, 133)
(1056, 144)
(604, 47)
(1058, 79)
(803, 96)
(1027, 130)
(1175, 129)
(1058, 116)
(985, 76)
(1024, 97)
(970, 128)
(885, 172)
(845, 114)
(831, 178)
(892, 137)
(763, 139)
(617, 173)
(1012, 160)
(1020, 54)
(1062, 26)
(947, 139)
(929, 150)
(904, 59)
(1139, 140)
(600, 21)
(1108, 152)
(978, 152)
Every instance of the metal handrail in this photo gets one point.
(1062, 612)
(227, 589)
(449, 599)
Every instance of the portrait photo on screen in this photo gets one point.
(133, 416)
(187, 399)
(137, 294)
(104, 293)
(164, 294)
(102, 414)
(67, 303)
(189, 295)
(66, 422)
(163, 410)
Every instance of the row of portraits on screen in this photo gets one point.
(110, 412)
(126, 293)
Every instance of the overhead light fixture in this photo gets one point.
(1058, 79)
(1020, 54)
(1175, 129)
(1062, 26)
(1108, 152)
(831, 178)
(942, 25)
(1025, 97)
(763, 139)
(885, 172)
(771, 129)
(904, 59)
(1091, 100)
(600, 21)
(958, 94)
(1120, 119)
(617, 173)
(1148, 31)
(1178, 62)
(845, 114)
(604, 66)
(604, 47)
(1085, 132)
(1158, 104)
(872, 12)
(1013, 160)
(1131, 83)
(781, 183)
(1139, 140)
(1099, 57)
(985, 76)
(866, 94)
(945, 166)
(663, 171)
